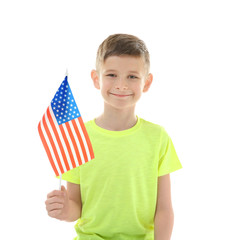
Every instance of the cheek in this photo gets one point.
(105, 85)
(137, 87)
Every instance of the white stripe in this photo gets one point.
(77, 142)
(61, 138)
(83, 139)
(49, 146)
(71, 144)
(56, 143)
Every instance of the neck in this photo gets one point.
(116, 119)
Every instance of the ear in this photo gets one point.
(148, 82)
(95, 78)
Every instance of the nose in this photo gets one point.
(121, 84)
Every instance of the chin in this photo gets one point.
(122, 106)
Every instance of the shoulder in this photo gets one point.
(88, 123)
(149, 123)
(152, 127)
(154, 132)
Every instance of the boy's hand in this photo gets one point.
(57, 204)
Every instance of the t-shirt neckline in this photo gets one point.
(117, 133)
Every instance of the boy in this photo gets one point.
(124, 193)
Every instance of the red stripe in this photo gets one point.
(47, 150)
(73, 142)
(52, 144)
(58, 139)
(67, 145)
(80, 139)
(86, 137)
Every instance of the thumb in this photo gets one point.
(63, 188)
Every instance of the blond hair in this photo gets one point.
(122, 44)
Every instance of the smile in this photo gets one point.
(121, 95)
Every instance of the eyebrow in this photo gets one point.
(110, 70)
(134, 72)
(113, 70)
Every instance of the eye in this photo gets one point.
(111, 75)
(132, 77)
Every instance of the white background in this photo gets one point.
(187, 42)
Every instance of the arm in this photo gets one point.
(75, 201)
(164, 216)
(65, 204)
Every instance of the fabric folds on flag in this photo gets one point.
(63, 132)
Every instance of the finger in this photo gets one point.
(54, 200)
(54, 206)
(55, 193)
(63, 188)
(54, 213)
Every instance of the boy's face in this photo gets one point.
(122, 80)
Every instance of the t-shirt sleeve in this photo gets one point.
(72, 176)
(168, 159)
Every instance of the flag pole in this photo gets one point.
(66, 74)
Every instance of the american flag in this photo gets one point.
(63, 133)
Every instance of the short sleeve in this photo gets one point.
(72, 176)
(168, 159)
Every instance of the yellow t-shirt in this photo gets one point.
(119, 187)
